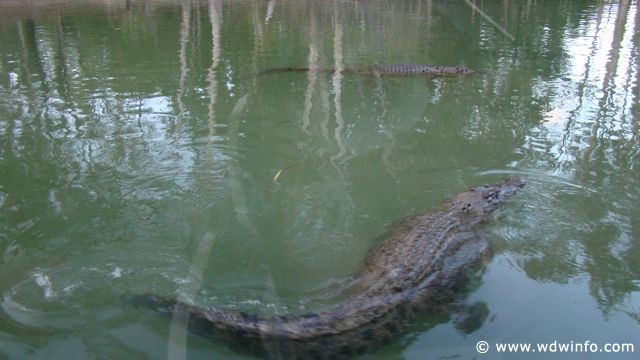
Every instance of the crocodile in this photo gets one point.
(379, 70)
(421, 268)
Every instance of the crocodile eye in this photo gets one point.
(491, 195)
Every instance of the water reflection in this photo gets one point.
(589, 131)
(131, 128)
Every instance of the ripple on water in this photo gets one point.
(545, 228)
(89, 289)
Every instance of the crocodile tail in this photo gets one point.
(155, 303)
(299, 69)
(237, 330)
(348, 330)
(283, 69)
(221, 319)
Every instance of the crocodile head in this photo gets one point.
(481, 200)
(463, 70)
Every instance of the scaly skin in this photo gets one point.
(380, 70)
(422, 267)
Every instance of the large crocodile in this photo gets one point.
(421, 267)
(379, 70)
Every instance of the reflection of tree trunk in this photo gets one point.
(258, 42)
(388, 147)
(565, 144)
(62, 73)
(40, 59)
(185, 27)
(30, 45)
(608, 83)
(626, 120)
(234, 169)
(312, 76)
(635, 109)
(195, 43)
(214, 18)
(24, 65)
(618, 34)
(505, 12)
(326, 110)
(177, 346)
(270, 7)
(429, 16)
(337, 84)
(526, 12)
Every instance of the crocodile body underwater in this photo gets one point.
(380, 70)
(423, 266)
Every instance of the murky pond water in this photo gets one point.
(141, 154)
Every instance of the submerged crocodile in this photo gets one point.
(421, 267)
(379, 70)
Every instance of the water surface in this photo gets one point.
(140, 153)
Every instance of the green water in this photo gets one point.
(140, 154)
